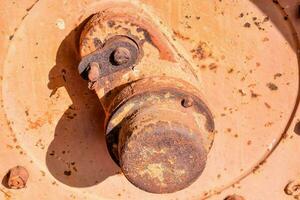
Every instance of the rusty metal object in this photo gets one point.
(234, 197)
(254, 124)
(17, 177)
(105, 56)
(160, 145)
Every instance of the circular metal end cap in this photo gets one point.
(161, 157)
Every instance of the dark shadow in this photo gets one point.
(4, 181)
(78, 155)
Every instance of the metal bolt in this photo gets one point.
(187, 102)
(94, 74)
(234, 197)
(17, 177)
(94, 71)
(121, 56)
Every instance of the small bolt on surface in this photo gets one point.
(93, 75)
(187, 102)
(121, 56)
(17, 177)
(234, 197)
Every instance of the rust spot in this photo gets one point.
(266, 19)
(277, 75)
(67, 173)
(267, 105)
(213, 66)
(242, 92)
(97, 42)
(272, 86)
(111, 23)
(247, 25)
(230, 70)
(268, 124)
(180, 36)
(201, 51)
(253, 94)
(265, 39)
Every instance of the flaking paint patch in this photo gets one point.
(60, 23)
(155, 170)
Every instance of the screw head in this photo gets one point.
(187, 102)
(121, 56)
(17, 177)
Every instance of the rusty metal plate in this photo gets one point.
(244, 52)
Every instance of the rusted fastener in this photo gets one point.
(187, 102)
(93, 75)
(121, 56)
(94, 72)
(292, 188)
(17, 177)
(234, 197)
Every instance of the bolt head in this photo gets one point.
(121, 56)
(94, 71)
(187, 102)
(17, 177)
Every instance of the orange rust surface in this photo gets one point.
(244, 51)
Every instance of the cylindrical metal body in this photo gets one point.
(158, 129)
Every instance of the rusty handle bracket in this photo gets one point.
(119, 52)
